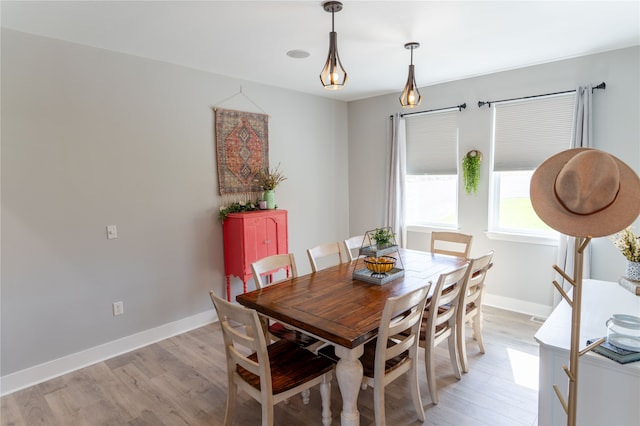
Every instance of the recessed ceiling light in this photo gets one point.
(298, 54)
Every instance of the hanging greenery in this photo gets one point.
(237, 207)
(471, 171)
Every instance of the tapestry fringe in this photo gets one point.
(241, 197)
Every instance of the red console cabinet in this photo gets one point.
(250, 236)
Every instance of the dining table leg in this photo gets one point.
(349, 375)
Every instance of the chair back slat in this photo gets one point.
(244, 362)
(401, 346)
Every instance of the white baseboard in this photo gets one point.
(57, 367)
(37, 374)
(517, 305)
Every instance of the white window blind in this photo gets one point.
(527, 132)
(432, 143)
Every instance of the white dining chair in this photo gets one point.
(439, 324)
(394, 352)
(470, 306)
(451, 243)
(352, 245)
(328, 254)
(268, 373)
(272, 264)
(268, 266)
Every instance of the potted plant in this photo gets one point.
(629, 245)
(268, 181)
(382, 236)
(471, 171)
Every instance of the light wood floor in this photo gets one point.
(182, 381)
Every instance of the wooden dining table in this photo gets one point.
(336, 308)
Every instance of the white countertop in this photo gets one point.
(600, 299)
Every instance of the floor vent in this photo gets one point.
(537, 319)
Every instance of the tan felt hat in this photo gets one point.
(585, 192)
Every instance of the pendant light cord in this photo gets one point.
(333, 13)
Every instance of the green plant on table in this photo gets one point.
(382, 236)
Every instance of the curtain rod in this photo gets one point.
(602, 85)
(458, 107)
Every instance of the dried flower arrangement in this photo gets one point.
(268, 180)
(628, 244)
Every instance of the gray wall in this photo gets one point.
(92, 138)
(522, 274)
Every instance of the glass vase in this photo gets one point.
(270, 198)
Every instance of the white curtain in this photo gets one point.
(581, 137)
(396, 193)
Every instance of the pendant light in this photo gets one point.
(411, 95)
(333, 75)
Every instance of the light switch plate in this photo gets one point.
(112, 232)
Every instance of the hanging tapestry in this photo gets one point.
(242, 147)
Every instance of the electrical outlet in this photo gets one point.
(112, 232)
(118, 308)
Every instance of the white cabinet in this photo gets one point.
(608, 392)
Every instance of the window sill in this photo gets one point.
(522, 238)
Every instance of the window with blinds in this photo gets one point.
(525, 133)
(432, 144)
(431, 179)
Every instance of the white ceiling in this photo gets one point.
(249, 39)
